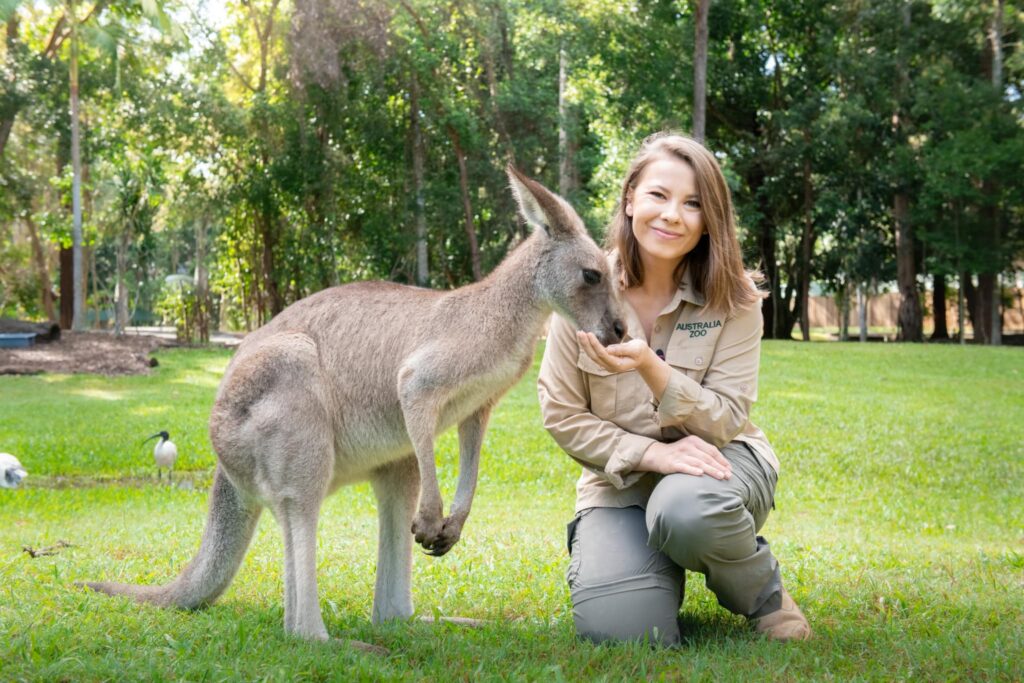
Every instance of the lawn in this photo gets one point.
(899, 526)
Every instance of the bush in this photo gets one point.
(180, 304)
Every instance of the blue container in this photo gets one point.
(17, 340)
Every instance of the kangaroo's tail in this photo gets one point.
(229, 528)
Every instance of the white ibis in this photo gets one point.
(11, 471)
(164, 453)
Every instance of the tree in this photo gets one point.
(700, 68)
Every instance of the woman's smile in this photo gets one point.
(666, 234)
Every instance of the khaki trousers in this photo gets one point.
(627, 569)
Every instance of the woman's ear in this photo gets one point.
(629, 204)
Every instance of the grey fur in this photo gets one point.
(354, 383)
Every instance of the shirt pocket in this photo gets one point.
(602, 385)
(691, 360)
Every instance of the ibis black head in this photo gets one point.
(164, 436)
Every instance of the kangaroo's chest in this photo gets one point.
(483, 388)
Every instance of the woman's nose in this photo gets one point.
(671, 212)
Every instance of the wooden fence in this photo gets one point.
(883, 311)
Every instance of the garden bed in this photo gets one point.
(84, 352)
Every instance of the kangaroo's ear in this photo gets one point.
(542, 209)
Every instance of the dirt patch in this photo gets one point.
(85, 352)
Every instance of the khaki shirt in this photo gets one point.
(607, 420)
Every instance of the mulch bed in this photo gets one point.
(84, 352)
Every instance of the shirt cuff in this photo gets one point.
(679, 400)
(627, 455)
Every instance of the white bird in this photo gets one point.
(11, 471)
(164, 453)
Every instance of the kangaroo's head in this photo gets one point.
(573, 275)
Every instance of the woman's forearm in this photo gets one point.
(655, 372)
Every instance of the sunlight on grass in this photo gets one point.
(217, 368)
(198, 380)
(150, 410)
(101, 394)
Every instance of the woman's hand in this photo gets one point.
(617, 357)
(633, 355)
(690, 455)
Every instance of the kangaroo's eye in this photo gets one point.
(591, 277)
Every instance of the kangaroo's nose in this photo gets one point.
(619, 329)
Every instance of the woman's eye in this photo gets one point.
(692, 204)
(657, 194)
(591, 277)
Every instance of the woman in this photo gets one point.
(675, 477)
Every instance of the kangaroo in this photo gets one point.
(354, 383)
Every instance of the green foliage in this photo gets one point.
(286, 132)
(181, 306)
(896, 526)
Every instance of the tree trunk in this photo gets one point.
(11, 111)
(974, 308)
(806, 248)
(909, 314)
(996, 311)
(995, 300)
(120, 289)
(422, 271)
(42, 271)
(467, 207)
(565, 174)
(273, 291)
(766, 248)
(700, 69)
(788, 312)
(202, 280)
(987, 300)
(844, 312)
(939, 307)
(78, 319)
(906, 272)
(960, 309)
(67, 288)
(862, 313)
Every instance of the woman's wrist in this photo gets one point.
(649, 461)
(655, 372)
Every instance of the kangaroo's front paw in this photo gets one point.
(451, 531)
(427, 529)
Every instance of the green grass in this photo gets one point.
(900, 529)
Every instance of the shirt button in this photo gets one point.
(657, 328)
(699, 360)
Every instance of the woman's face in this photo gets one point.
(665, 211)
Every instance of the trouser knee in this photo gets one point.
(695, 525)
(642, 607)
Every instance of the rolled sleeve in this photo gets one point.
(599, 445)
(717, 409)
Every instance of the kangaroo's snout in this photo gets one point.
(611, 331)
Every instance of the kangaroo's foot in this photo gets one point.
(451, 532)
(427, 526)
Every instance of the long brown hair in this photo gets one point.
(716, 263)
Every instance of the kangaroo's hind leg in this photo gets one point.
(396, 486)
(299, 483)
(274, 429)
(302, 616)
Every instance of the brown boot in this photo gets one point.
(785, 624)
